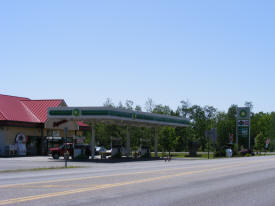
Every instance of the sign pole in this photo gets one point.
(208, 146)
(66, 149)
(249, 141)
(93, 141)
(237, 138)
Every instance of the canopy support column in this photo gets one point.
(156, 142)
(128, 143)
(93, 141)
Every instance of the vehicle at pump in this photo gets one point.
(74, 150)
(100, 150)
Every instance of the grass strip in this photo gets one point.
(39, 169)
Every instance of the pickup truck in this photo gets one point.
(60, 151)
(56, 152)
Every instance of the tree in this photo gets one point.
(249, 104)
(193, 142)
(199, 124)
(108, 103)
(260, 142)
(271, 132)
(184, 109)
(162, 109)
(202, 119)
(129, 104)
(260, 123)
(149, 105)
(193, 137)
(120, 105)
(138, 108)
(223, 129)
(168, 138)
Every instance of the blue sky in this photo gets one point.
(210, 52)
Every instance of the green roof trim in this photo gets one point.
(125, 114)
(94, 112)
(61, 112)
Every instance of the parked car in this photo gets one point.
(100, 150)
(108, 152)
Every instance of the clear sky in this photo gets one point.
(210, 52)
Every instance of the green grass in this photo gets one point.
(185, 155)
(39, 169)
(264, 154)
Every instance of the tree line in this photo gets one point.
(192, 138)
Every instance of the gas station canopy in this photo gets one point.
(67, 117)
(114, 116)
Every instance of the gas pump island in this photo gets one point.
(67, 118)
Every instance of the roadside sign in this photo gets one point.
(243, 126)
(243, 123)
(243, 113)
(212, 133)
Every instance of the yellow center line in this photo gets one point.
(52, 186)
(115, 175)
(104, 186)
(107, 186)
(91, 177)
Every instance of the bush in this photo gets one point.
(246, 153)
(220, 153)
(193, 148)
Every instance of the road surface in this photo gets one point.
(236, 181)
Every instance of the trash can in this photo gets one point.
(228, 152)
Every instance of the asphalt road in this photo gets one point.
(237, 181)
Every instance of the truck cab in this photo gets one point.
(56, 152)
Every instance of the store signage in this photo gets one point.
(243, 113)
(244, 123)
(243, 126)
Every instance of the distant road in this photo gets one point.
(222, 182)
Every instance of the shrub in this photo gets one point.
(246, 153)
(220, 153)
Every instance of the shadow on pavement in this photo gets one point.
(113, 160)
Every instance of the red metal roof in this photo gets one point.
(25, 110)
(2, 116)
(39, 107)
(13, 110)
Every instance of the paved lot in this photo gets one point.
(236, 181)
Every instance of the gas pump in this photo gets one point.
(116, 147)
